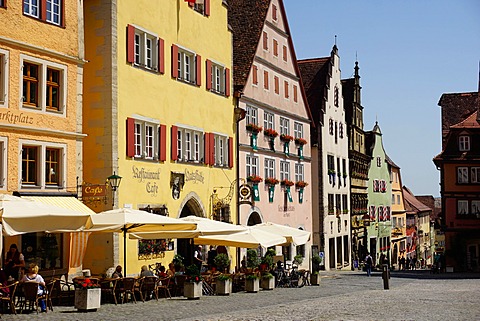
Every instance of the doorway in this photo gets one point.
(185, 247)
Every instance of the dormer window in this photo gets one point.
(464, 143)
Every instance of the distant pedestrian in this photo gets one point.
(368, 264)
(414, 263)
(407, 266)
(402, 263)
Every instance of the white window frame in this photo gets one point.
(3, 162)
(4, 67)
(31, 9)
(475, 208)
(199, 6)
(268, 120)
(142, 136)
(190, 142)
(186, 65)
(398, 199)
(475, 175)
(220, 145)
(297, 130)
(145, 49)
(251, 165)
(42, 146)
(252, 115)
(462, 206)
(218, 78)
(462, 175)
(55, 15)
(463, 143)
(269, 167)
(43, 65)
(284, 170)
(299, 172)
(284, 126)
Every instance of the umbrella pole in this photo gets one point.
(125, 252)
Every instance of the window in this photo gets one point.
(331, 163)
(146, 51)
(276, 84)
(393, 199)
(268, 120)
(275, 47)
(297, 130)
(220, 148)
(2, 3)
(146, 139)
(50, 11)
(269, 167)
(398, 199)
(475, 175)
(464, 143)
(265, 79)
(338, 203)
(335, 98)
(462, 207)
(255, 75)
(331, 203)
(190, 145)
(284, 170)
(44, 247)
(295, 93)
(252, 115)
(372, 212)
(330, 126)
(43, 85)
(476, 208)
(344, 167)
(379, 161)
(376, 185)
(299, 173)
(340, 130)
(285, 84)
(462, 175)
(285, 53)
(344, 204)
(218, 78)
(251, 165)
(42, 165)
(274, 12)
(265, 41)
(4, 77)
(284, 126)
(202, 6)
(186, 63)
(336, 132)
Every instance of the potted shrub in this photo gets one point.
(268, 281)
(252, 259)
(298, 259)
(223, 284)
(192, 289)
(267, 263)
(252, 283)
(178, 262)
(87, 295)
(222, 262)
(315, 277)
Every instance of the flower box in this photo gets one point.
(270, 132)
(286, 182)
(300, 141)
(88, 299)
(301, 184)
(255, 179)
(314, 279)
(286, 138)
(254, 128)
(252, 285)
(192, 290)
(223, 287)
(271, 181)
(268, 283)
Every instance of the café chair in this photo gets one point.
(7, 295)
(163, 285)
(128, 289)
(31, 296)
(148, 286)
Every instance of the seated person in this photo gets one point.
(32, 275)
(162, 273)
(145, 272)
(118, 272)
(171, 270)
(243, 267)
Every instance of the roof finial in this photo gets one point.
(335, 40)
(356, 58)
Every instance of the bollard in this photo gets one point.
(385, 276)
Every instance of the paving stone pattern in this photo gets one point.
(340, 296)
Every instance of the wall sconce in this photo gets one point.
(114, 182)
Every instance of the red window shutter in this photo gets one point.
(162, 153)
(206, 141)
(191, 3)
(295, 97)
(286, 89)
(208, 71)
(198, 72)
(43, 10)
(265, 79)
(227, 82)
(255, 75)
(207, 8)
(285, 53)
(265, 40)
(130, 43)
(276, 85)
(275, 47)
(211, 142)
(174, 131)
(161, 56)
(62, 9)
(130, 137)
(230, 152)
(174, 61)
(274, 12)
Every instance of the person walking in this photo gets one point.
(368, 264)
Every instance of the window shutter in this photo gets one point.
(227, 82)
(208, 71)
(295, 97)
(43, 10)
(62, 17)
(285, 53)
(130, 43)
(161, 56)
(230, 152)
(191, 3)
(211, 142)
(198, 71)
(206, 139)
(174, 61)
(286, 89)
(162, 153)
(255, 75)
(265, 41)
(174, 131)
(265, 79)
(130, 137)
(207, 7)
(276, 85)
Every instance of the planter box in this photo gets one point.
(252, 286)
(87, 299)
(315, 279)
(223, 287)
(268, 284)
(192, 290)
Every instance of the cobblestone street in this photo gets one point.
(340, 296)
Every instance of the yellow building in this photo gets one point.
(158, 112)
(41, 70)
(399, 216)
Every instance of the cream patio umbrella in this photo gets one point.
(20, 216)
(128, 220)
(251, 238)
(293, 235)
(205, 226)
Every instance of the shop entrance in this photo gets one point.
(185, 247)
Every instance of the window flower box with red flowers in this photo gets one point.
(271, 181)
(300, 141)
(254, 128)
(270, 132)
(286, 138)
(301, 184)
(287, 183)
(254, 179)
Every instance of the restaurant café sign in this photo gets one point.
(148, 178)
(94, 191)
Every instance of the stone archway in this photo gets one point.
(254, 219)
(185, 247)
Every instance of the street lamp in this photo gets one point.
(366, 223)
(114, 182)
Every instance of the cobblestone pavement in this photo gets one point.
(340, 296)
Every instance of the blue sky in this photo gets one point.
(409, 53)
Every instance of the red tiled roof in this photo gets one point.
(469, 122)
(390, 161)
(412, 204)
